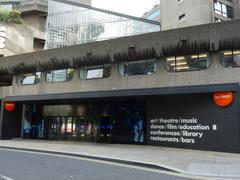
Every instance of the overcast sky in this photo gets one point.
(130, 7)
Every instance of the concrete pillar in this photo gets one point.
(22, 120)
(1, 118)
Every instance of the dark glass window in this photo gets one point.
(146, 67)
(28, 79)
(95, 72)
(59, 75)
(187, 63)
(182, 17)
(230, 59)
(223, 9)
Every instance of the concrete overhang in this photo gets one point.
(147, 92)
(190, 40)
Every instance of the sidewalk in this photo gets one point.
(193, 162)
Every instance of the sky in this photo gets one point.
(130, 7)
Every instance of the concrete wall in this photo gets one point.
(215, 74)
(216, 37)
(37, 23)
(196, 12)
(236, 5)
(19, 39)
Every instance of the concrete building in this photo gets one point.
(183, 13)
(175, 88)
(15, 39)
(34, 15)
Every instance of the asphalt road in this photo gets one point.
(19, 165)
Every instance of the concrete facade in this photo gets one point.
(215, 38)
(18, 39)
(193, 12)
(196, 12)
(161, 79)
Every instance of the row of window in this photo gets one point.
(196, 62)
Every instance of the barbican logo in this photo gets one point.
(223, 99)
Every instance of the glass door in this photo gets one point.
(62, 128)
(78, 128)
(69, 128)
(54, 126)
(105, 127)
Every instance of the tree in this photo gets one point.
(12, 16)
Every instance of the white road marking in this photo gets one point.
(117, 164)
(5, 177)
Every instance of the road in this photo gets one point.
(19, 165)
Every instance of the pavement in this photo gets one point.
(192, 162)
(22, 165)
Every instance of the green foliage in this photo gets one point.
(12, 16)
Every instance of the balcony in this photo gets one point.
(31, 5)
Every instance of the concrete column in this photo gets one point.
(1, 118)
(22, 120)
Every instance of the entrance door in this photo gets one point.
(71, 128)
(79, 128)
(105, 127)
(53, 127)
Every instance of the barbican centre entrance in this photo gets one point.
(205, 120)
(108, 122)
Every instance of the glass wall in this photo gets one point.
(28, 79)
(187, 63)
(144, 67)
(69, 24)
(95, 72)
(59, 75)
(115, 121)
(230, 59)
(154, 15)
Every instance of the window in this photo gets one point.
(95, 72)
(145, 67)
(218, 20)
(187, 63)
(230, 59)
(154, 15)
(181, 18)
(223, 9)
(59, 75)
(28, 79)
